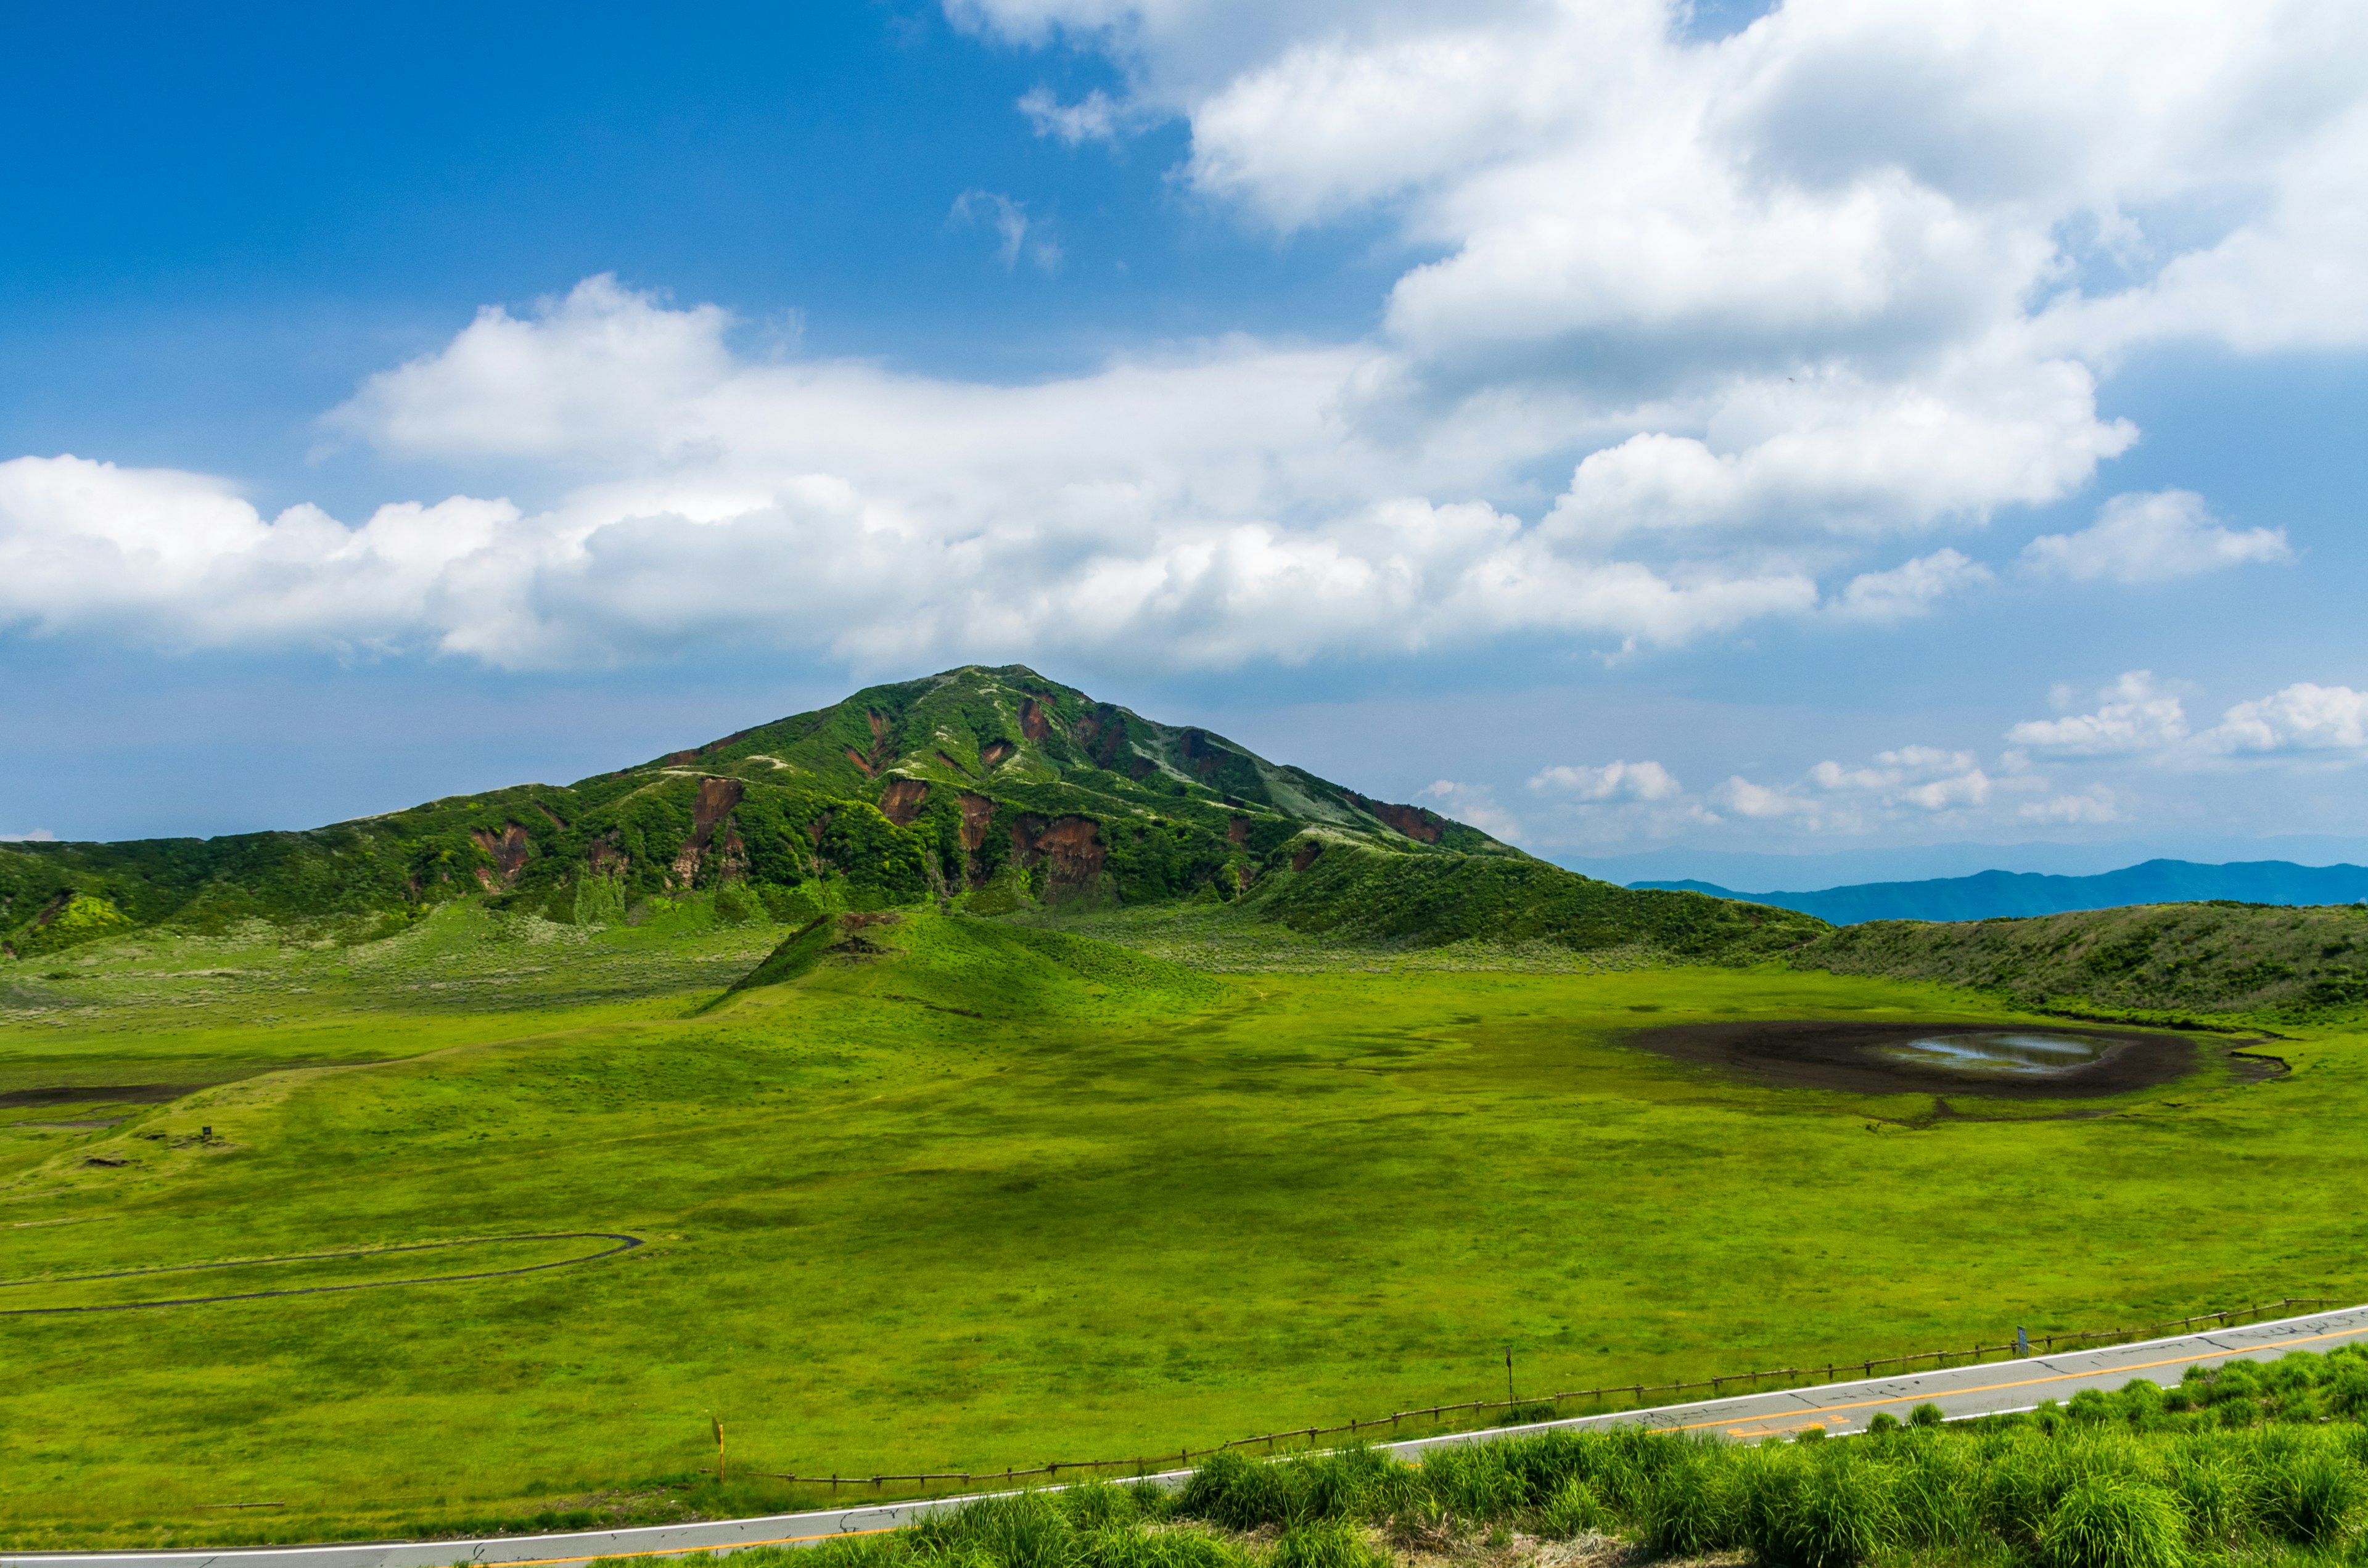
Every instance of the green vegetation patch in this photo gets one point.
(2227, 1467)
(2292, 964)
(988, 1194)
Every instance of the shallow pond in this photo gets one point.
(2019, 1053)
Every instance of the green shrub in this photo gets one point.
(2212, 1490)
(2112, 1521)
(1685, 1511)
(1472, 1481)
(1926, 1414)
(1324, 1543)
(735, 905)
(2308, 1497)
(1127, 1547)
(1799, 1510)
(600, 900)
(1026, 1529)
(1574, 1509)
(1883, 1421)
(1236, 1491)
(1096, 1505)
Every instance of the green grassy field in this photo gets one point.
(1002, 1194)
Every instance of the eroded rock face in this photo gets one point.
(994, 752)
(977, 810)
(1238, 830)
(1414, 822)
(508, 851)
(716, 799)
(902, 800)
(1032, 722)
(1304, 856)
(1069, 848)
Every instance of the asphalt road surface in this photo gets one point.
(1841, 1408)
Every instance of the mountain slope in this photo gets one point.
(2300, 962)
(1991, 895)
(995, 786)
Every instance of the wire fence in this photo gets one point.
(1632, 1396)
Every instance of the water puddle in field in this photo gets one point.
(2015, 1054)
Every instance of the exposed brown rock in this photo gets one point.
(1032, 722)
(976, 811)
(902, 800)
(994, 752)
(508, 851)
(957, 766)
(860, 761)
(1238, 830)
(1142, 768)
(1069, 848)
(608, 857)
(1414, 822)
(1304, 856)
(556, 821)
(879, 725)
(716, 799)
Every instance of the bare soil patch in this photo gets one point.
(1818, 1053)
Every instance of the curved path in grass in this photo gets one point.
(624, 1243)
(1959, 1391)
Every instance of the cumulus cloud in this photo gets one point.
(1613, 781)
(2150, 538)
(1773, 302)
(1474, 804)
(1910, 588)
(2135, 714)
(1209, 505)
(2300, 718)
(1907, 784)
(2137, 717)
(39, 835)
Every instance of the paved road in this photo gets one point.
(1841, 1408)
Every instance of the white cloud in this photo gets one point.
(2095, 804)
(1772, 303)
(1097, 117)
(1910, 588)
(1613, 781)
(2150, 538)
(1012, 227)
(39, 835)
(1908, 783)
(2135, 715)
(2300, 718)
(1474, 804)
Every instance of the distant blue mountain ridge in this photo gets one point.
(1992, 894)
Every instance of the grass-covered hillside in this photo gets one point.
(994, 786)
(2200, 958)
(951, 1194)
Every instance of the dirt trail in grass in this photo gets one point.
(624, 1243)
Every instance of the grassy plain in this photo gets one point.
(1003, 1196)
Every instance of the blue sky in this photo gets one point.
(1634, 429)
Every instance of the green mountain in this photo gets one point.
(1990, 895)
(995, 787)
